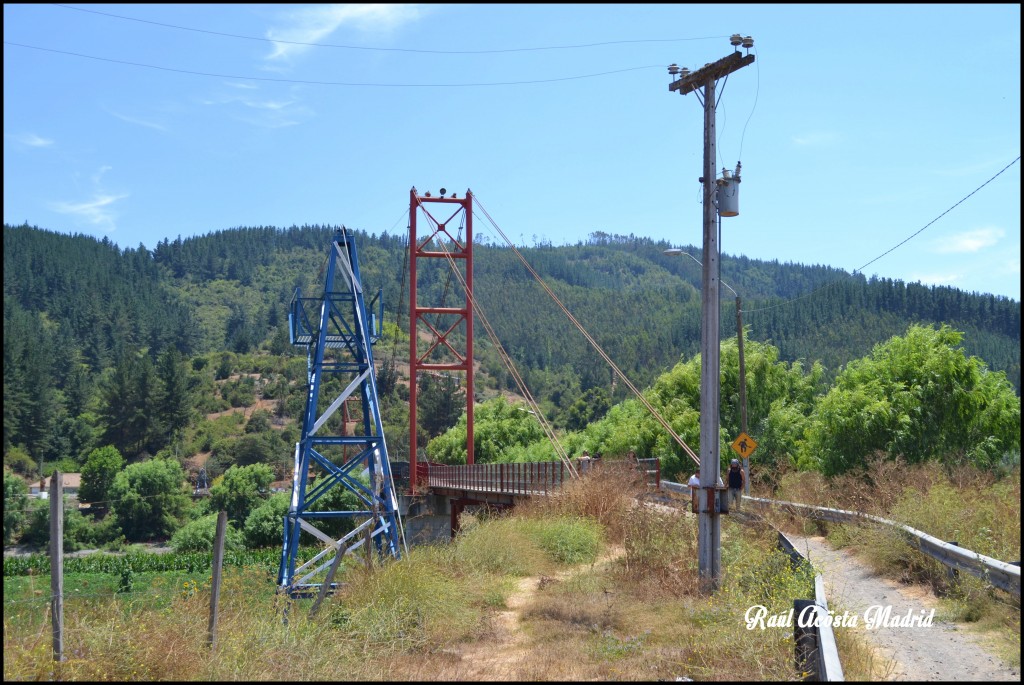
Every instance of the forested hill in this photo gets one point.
(72, 299)
(230, 290)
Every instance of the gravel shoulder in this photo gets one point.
(941, 652)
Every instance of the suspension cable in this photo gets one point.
(513, 371)
(509, 364)
(594, 344)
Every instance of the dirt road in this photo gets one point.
(942, 652)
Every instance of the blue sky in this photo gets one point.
(857, 125)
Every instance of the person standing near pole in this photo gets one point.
(585, 462)
(737, 479)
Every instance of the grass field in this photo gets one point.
(585, 586)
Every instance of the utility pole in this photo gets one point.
(709, 524)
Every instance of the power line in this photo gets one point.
(336, 83)
(380, 49)
(902, 242)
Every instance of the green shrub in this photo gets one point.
(80, 532)
(15, 505)
(499, 546)
(408, 604)
(264, 527)
(198, 536)
(566, 540)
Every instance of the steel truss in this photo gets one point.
(338, 336)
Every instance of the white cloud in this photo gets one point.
(274, 105)
(968, 241)
(32, 140)
(137, 122)
(98, 211)
(263, 112)
(950, 279)
(313, 24)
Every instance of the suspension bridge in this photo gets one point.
(342, 446)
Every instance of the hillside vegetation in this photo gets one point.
(182, 354)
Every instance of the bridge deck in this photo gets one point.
(525, 479)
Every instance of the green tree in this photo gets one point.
(173, 402)
(15, 505)
(498, 427)
(441, 401)
(919, 397)
(264, 527)
(126, 401)
(588, 407)
(101, 467)
(199, 535)
(150, 499)
(242, 489)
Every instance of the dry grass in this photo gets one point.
(607, 494)
(500, 603)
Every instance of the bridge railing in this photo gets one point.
(652, 471)
(527, 478)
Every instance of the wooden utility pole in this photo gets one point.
(709, 524)
(57, 563)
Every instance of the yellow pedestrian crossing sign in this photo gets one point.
(744, 445)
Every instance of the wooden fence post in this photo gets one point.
(57, 563)
(218, 564)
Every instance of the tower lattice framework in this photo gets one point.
(338, 450)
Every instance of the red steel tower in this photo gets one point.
(449, 334)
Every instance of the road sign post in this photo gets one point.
(744, 445)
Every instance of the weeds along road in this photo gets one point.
(942, 652)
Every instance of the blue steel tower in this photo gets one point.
(338, 335)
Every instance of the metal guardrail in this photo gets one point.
(998, 573)
(817, 654)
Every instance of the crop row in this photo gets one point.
(142, 562)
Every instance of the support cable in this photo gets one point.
(510, 365)
(590, 339)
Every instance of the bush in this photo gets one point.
(15, 505)
(258, 422)
(411, 604)
(566, 540)
(80, 532)
(101, 467)
(264, 527)
(150, 499)
(198, 536)
(499, 546)
(19, 460)
(241, 490)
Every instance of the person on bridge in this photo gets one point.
(585, 462)
(737, 479)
